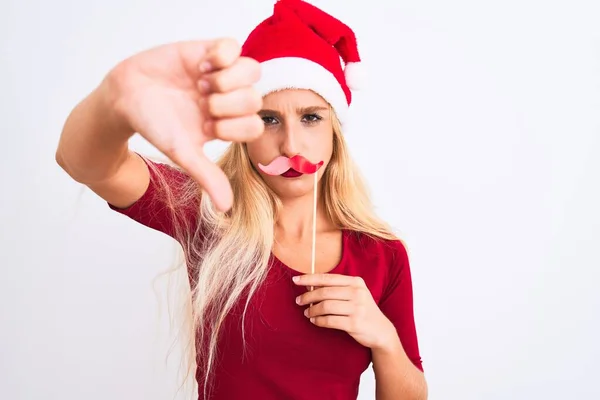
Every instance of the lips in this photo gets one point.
(297, 164)
(291, 173)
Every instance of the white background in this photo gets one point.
(479, 135)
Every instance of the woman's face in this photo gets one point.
(296, 122)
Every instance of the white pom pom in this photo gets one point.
(356, 75)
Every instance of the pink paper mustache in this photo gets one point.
(281, 164)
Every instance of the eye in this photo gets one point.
(268, 120)
(311, 118)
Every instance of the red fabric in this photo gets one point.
(299, 29)
(286, 357)
(331, 29)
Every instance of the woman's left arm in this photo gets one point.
(345, 303)
(396, 376)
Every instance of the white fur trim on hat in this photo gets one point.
(356, 75)
(301, 73)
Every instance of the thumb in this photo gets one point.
(208, 175)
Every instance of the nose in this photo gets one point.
(289, 144)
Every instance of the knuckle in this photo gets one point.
(238, 103)
(357, 293)
(213, 104)
(227, 50)
(254, 100)
(251, 67)
(218, 82)
(256, 126)
(359, 281)
(220, 129)
(240, 74)
(305, 298)
(228, 42)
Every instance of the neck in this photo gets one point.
(295, 222)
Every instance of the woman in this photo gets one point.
(265, 328)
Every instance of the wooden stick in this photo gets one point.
(314, 227)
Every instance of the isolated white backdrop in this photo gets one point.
(479, 135)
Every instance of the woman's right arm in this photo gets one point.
(164, 95)
(93, 150)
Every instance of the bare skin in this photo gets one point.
(178, 97)
(298, 122)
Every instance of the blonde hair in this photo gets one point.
(220, 270)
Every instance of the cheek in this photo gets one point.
(322, 143)
(259, 149)
(251, 149)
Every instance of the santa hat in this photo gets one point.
(299, 47)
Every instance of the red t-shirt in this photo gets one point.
(285, 356)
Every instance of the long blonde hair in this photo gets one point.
(220, 269)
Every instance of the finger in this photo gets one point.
(221, 54)
(242, 129)
(208, 175)
(244, 72)
(328, 280)
(345, 293)
(192, 53)
(342, 323)
(240, 102)
(330, 307)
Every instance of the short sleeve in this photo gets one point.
(397, 303)
(155, 209)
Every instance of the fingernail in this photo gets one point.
(205, 66)
(306, 312)
(312, 320)
(298, 300)
(296, 279)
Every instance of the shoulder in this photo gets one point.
(376, 249)
(382, 261)
(169, 203)
(167, 172)
(165, 175)
(175, 188)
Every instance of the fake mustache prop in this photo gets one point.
(282, 164)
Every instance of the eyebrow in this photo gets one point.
(299, 110)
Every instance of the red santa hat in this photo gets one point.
(299, 47)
